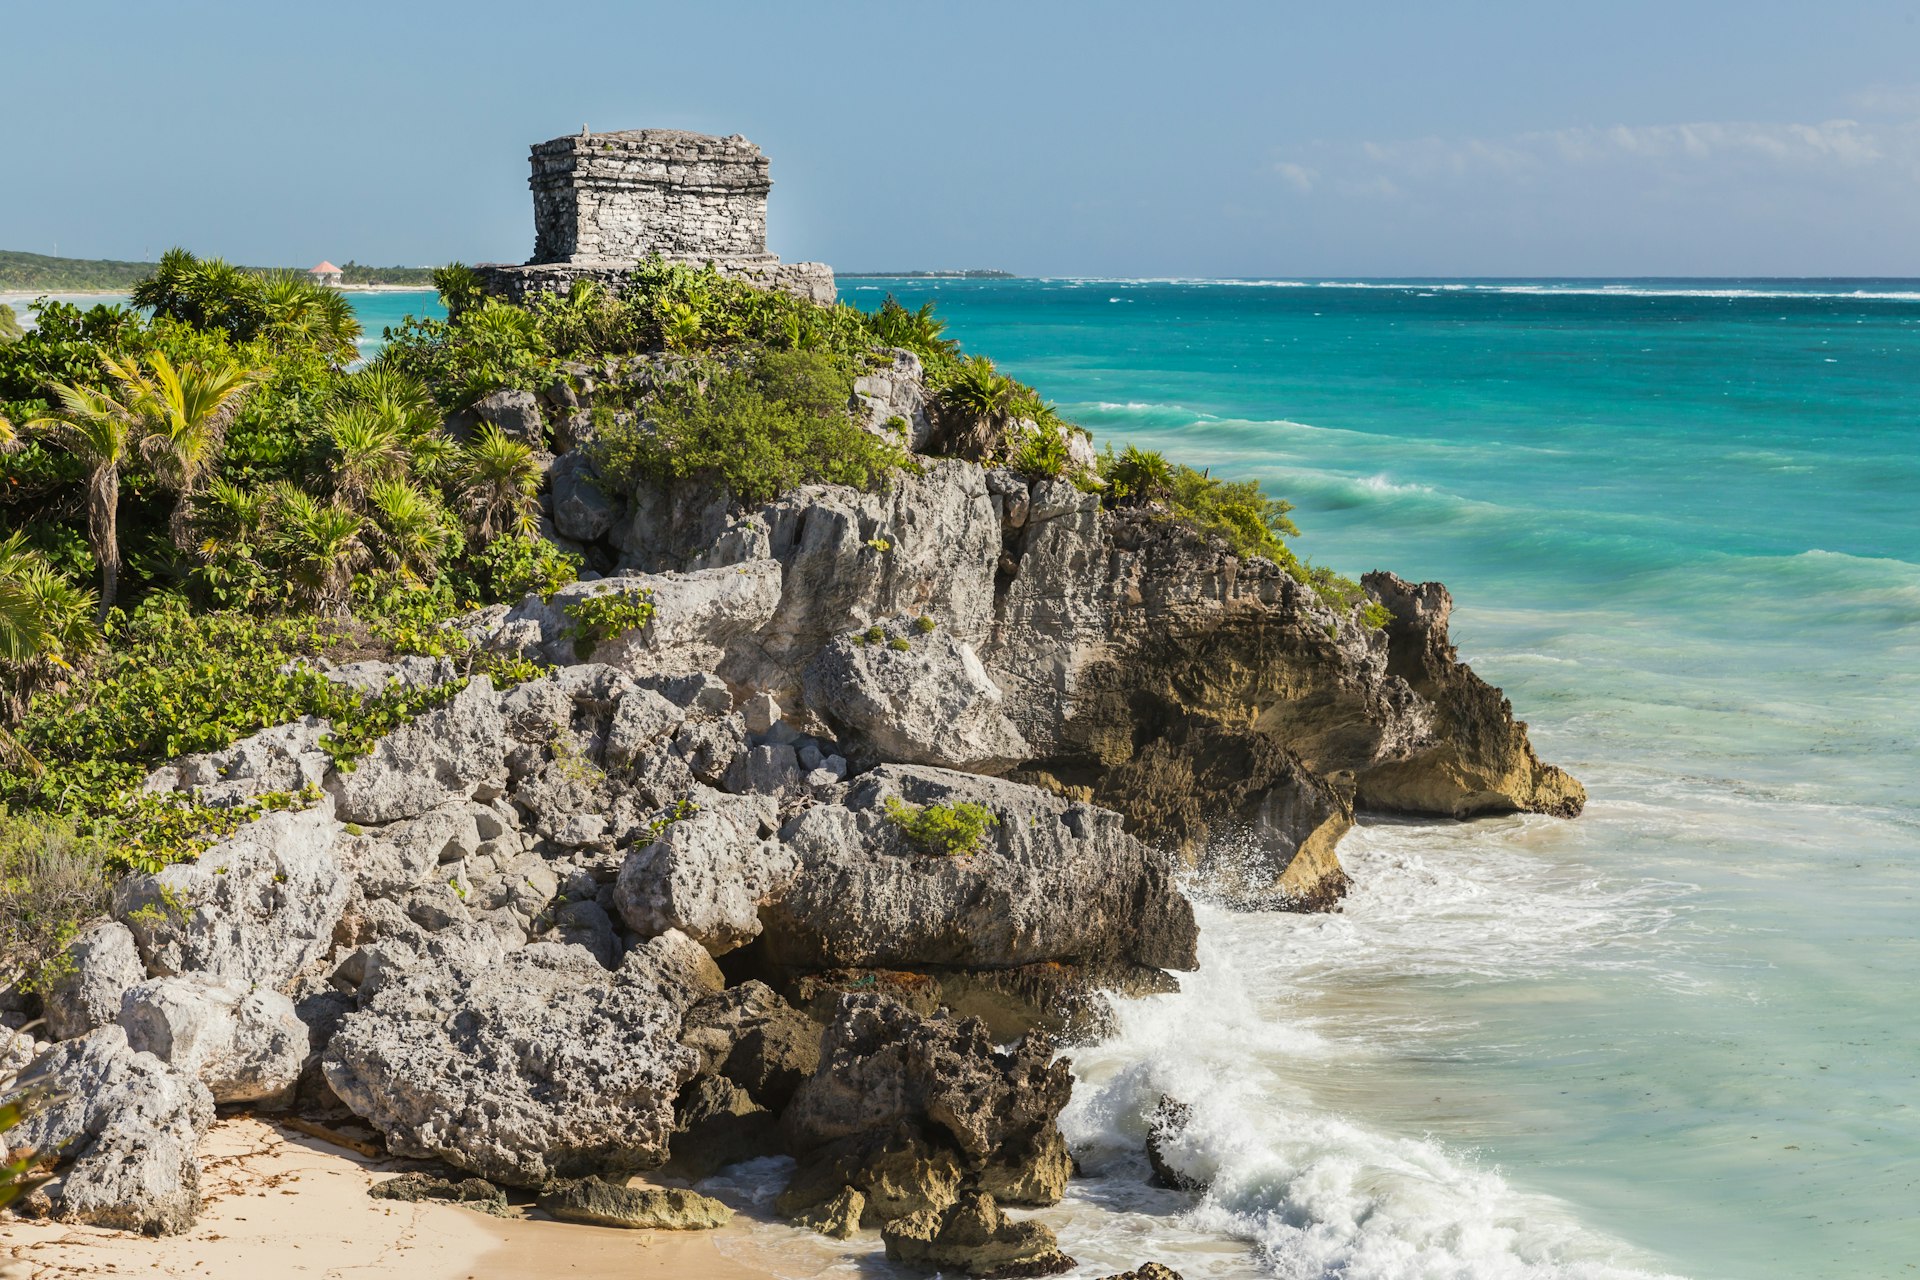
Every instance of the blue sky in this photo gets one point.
(1276, 139)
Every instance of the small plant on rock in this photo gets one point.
(900, 644)
(599, 618)
(946, 829)
(924, 625)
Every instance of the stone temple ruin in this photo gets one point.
(604, 201)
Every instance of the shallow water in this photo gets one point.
(1672, 1036)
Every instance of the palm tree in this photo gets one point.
(100, 432)
(298, 312)
(43, 624)
(411, 530)
(500, 482)
(185, 413)
(321, 543)
(979, 401)
(372, 447)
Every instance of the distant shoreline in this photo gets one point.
(925, 275)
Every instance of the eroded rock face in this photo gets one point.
(127, 1126)
(101, 964)
(1054, 880)
(891, 401)
(1481, 760)
(698, 619)
(600, 1203)
(244, 1043)
(285, 757)
(541, 1066)
(259, 906)
(913, 695)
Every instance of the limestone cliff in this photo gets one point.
(1217, 703)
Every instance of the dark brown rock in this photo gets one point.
(608, 1204)
(974, 1236)
(469, 1193)
(1170, 1119)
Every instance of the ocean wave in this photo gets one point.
(1314, 1190)
(1543, 288)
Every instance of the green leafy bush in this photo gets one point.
(773, 422)
(947, 829)
(595, 619)
(358, 729)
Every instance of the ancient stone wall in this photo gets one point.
(617, 197)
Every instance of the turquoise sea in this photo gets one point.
(1675, 1036)
(1681, 521)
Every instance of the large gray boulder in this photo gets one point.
(1053, 880)
(126, 1126)
(913, 694)
(698, 619)
(85, 993)
(453, 752)
(708, 874)
(539, 1067)
(259, 906)
(244, 1043)
(581, 510)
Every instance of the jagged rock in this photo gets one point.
(259, 906)
(245, 1044)
(892, 401)
(469, 1193)
(761, 712)
(897, 1172)
(17, 1050)
(642, 719)
(914, 697)
(838, 1218)
(717, 1124)
(709, 747)
(697, 618)
(1169, 1120)
(700, 693)
(753, 1038)
(1073, 1001)
(606, 1204)
(285, 757)
(586, 924)
(1054, 880)
(1481, 760)
(515, 413)
(882, 1065)
(580, 509)
(453, 752)
(771, 769)
(707, 875)
(1248, 812)
(974, 1236)
(406, 856)
(126, 1126)
(98, 967)
(543, 1065)
(1033, 1171)
(1147, 1271)
(372, 678)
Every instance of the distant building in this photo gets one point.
(326, 273)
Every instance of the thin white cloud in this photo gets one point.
(1648, 153)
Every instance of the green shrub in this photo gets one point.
(53, 880)
(773, 422)
(948, 829)
(900, 643)
(595, 619)
(356, 730)
(924, 625)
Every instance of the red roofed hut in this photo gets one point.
(326, 273)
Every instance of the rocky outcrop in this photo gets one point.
(907, 692)
(541, 1066)
(284, 757)
(1480, 760)
(911, 1112)
(259, 906)
(469, 1193)
(891, 400)
(244, 1043)
(88, 982)
(973, 1236)
(453, 752)
(1055, 880)
(601, 1203)
(125, 1126)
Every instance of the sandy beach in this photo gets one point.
(282, 1204)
